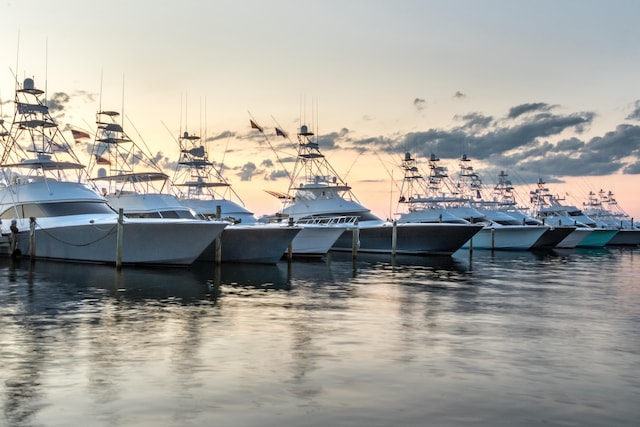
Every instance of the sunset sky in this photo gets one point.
(545, 89)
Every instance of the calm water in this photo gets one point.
(502, 340)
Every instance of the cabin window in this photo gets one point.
(44, 210)
(177, 214)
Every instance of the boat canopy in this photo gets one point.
(134, 177)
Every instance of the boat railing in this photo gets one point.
(329, 220)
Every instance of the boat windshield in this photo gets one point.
(361, 216)
(174, 214)
(45, 210)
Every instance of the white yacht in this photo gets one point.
(317, 192)
(201, 187)
(59, 215)
(605, 210)
(504, 200)
(148, 194)
(549, 209)
(437, 193)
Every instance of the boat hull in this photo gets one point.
(251, 244)
(515, 238)
(574, 238)
(411, 238)
(597, 238)
(143, 242)
(552, 237)
(625, 237)
(315, 241)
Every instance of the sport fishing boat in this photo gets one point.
(316, 191)
(550, 210)
(504, 200)
(604, 209)
(318, 234)
(148, 194)
(201, 187)
(60, 215)
(438, 193)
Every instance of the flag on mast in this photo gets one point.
(280, 132)
(254, 125)
(57, 147)
(79, 135)
(101, 160)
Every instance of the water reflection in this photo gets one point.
(492, 338)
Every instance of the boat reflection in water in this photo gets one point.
(57, 281)
(498, 338)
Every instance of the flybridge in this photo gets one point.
(24, 108)
(134, 177)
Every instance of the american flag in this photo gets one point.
(79, 135)
(102, 161)
(254, 125)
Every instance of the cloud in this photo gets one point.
(223, 135)
(160, 158)
(519, 110)
(247, 171)
(419, 103)
(89, 97)
(632, 169)
(330, 141)
(276, 174)
(475, 121)
(635, 114)
(531, 138)
(571, 144)
(57, 104)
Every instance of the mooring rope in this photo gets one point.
(109, 232)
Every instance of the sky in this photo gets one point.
(542, 90)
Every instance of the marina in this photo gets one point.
(425, 216)
(492, 339)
